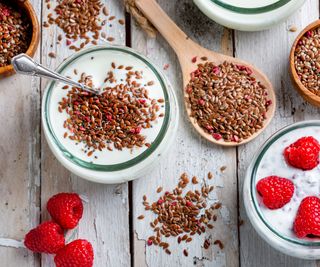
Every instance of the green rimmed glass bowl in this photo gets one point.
(121, 166)
(250, 15)
(284, 241)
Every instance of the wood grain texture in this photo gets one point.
(105, 221)
(191, 153)
(20, 159)
(270, 50)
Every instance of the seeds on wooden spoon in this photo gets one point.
(226, 101)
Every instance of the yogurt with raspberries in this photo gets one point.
(307, 183)
(276, 226)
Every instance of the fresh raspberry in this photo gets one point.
(78, 253)
(307, 221)
(275, 191)
(46, 238)
(303, 154)
(66, 209)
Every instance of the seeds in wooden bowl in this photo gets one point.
(307, 60)
(114, 119)
(227, 101)
(15, 33)
(181, 216)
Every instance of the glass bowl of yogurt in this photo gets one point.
(248, 15)
(275, 226)
(110, 162)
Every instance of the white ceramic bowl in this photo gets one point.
(121, 171)
(306, 248)
(248, 15)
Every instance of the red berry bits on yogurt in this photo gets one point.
(303, 154)
(275, 191)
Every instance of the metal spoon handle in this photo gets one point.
(25, 65)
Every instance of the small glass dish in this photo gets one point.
(248, 15)
(125, 165)
(282, 240)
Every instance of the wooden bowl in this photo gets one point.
(302, 90)
(29, 11)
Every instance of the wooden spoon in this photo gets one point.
(302, 90)
(186, 49)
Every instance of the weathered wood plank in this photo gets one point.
(269, 50)
(20, 159)
(190, 153)
(105, 221)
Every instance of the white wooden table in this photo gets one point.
(30, 174)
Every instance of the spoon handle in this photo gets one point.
(25, 65)
(177, 39)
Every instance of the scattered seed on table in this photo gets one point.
(121, 21)
(219, 243)
(159, 189)
(223, 168)
(110, 39)
(72, 17)
(141, 217)
(105, 11)
(52, 55)
(206, 244)
(185, 252)
(179, 216)
(293, 28)
(210, 176)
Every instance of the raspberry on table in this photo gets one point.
(66, 209)
(275, 191)
(307, 221)
(46, 238)
(303, 154)
(78, 253)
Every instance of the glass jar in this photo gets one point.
(118, 171)
(306, 248)
(248, 15)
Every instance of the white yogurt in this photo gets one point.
(97, 64)
(307, 183)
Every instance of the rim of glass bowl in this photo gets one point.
(257, 161)
(119, 166)
(248, 11)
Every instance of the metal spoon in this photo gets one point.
(25, 65)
